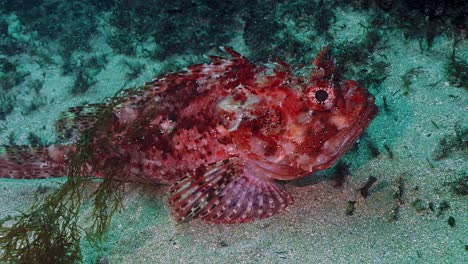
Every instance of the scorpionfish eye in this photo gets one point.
(321, 95)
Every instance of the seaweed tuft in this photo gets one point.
(6, 106)
(10, 75)
(49, 232)
(457, 72)
(419, 19)
(358, 59)
(84, 80)
(340, 174)
(135, 69)
(35, 140)
(460, 186)
(409, 77)
(457, 142)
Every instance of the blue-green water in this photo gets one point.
(412, 55)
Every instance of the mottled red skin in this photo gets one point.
(251, 125)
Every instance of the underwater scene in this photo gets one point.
(321, 131)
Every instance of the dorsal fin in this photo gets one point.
(78, 119)
(225, 192)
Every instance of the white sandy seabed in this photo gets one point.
(316, 229)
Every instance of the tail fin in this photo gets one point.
(26, 162)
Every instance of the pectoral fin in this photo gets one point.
(226, 192)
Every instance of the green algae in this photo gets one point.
(50, 231)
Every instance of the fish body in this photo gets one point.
(222, 134)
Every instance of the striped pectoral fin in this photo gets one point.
(225, 193)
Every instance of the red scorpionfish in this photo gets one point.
(222, 134)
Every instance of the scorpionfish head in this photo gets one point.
(290, 130)
(338, 114)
